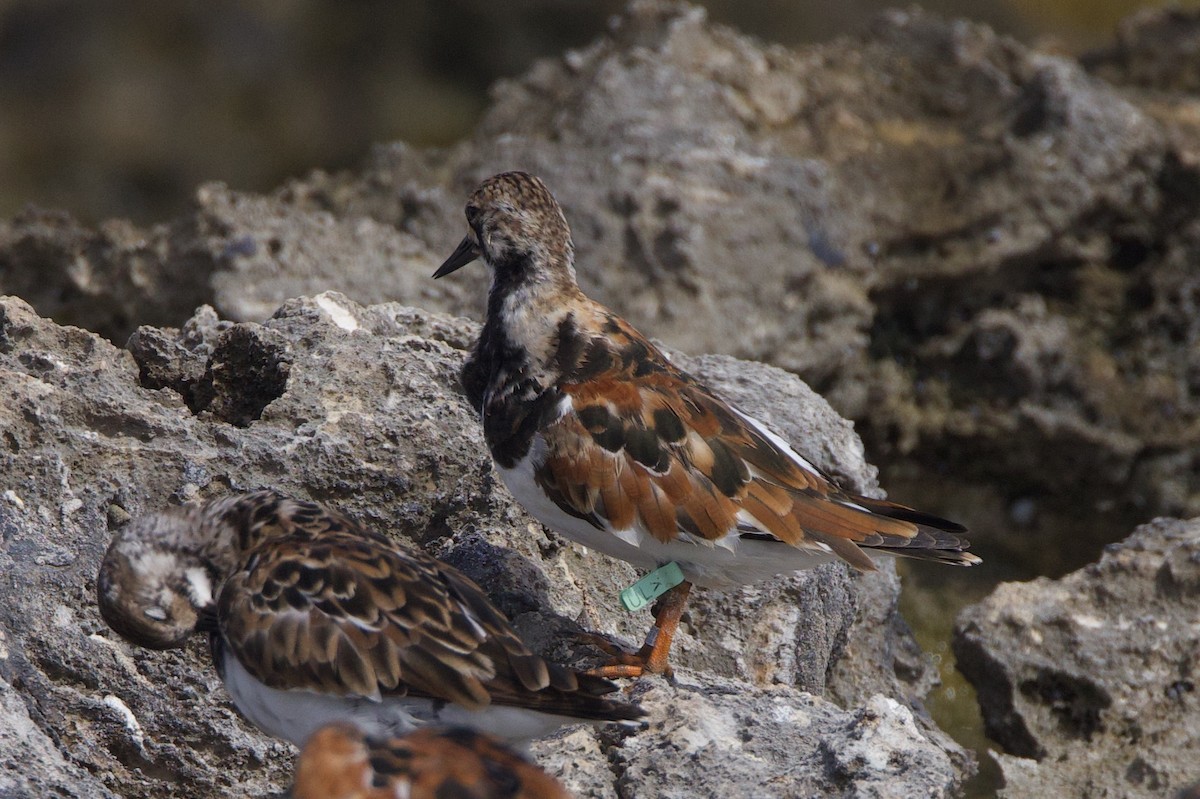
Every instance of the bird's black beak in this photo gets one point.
(466, 252)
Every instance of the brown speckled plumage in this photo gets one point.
(579, 406)
(306, 600)
(341, 762)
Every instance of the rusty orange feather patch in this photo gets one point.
(644, 444)
(339, 761)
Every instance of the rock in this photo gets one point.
(1155, 48)
(109, 280)
(928, 222)
(978, 252)
(359, 407)
(1155, 63)
(709, 735)
(1089, 682)
(30, 763)
(982, 254)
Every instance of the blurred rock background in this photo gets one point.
(123, 107)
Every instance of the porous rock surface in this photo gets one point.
(978, 252)
(359, 407)
(982, 254)
(1089, 682)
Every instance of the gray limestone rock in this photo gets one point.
(705, 738)
(359, 407)
(1089, 682)
(978, 252)
(30, 762)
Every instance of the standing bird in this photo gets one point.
(313, 619)
(341, 762)
(602, 439)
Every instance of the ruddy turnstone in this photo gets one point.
(339, 761)
(602, 439)
(313, 619)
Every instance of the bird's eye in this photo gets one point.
(158, 614)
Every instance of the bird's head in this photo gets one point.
(150, 589)
(518, 228)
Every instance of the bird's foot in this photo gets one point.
(622, 664)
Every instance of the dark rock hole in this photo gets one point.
(1129, 253)
(248, 371)
(1076, 703)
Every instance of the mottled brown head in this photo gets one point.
(150, 590)
(518, 228)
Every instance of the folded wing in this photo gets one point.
(349, 615)
(645, 445)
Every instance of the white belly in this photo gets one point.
(294, 715)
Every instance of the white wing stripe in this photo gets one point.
(784, 446)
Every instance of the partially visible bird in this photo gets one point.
(313, 619)
(339, 761)
(601, 438)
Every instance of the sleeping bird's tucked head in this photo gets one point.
(150, 589)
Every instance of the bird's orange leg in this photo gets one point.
(653, 655)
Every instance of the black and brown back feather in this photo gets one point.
(318, 603)
(646, 444)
